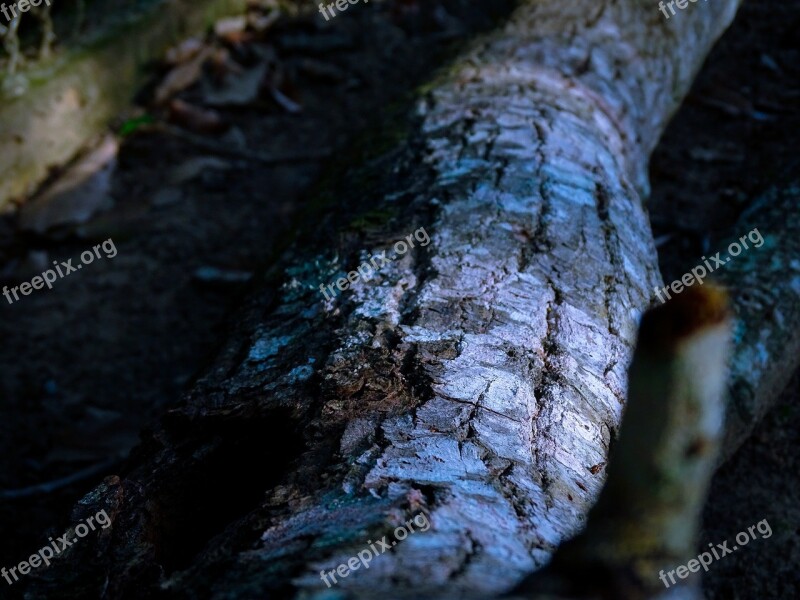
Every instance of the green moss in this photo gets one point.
(131, 125)
(72, 98)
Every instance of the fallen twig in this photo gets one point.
(249, 155)
(49, 487)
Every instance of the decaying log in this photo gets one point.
(764, 284)
(647, 519)
(479, 379)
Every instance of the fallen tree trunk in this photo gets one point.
(764, 283)
(646, 520)
(479, 379)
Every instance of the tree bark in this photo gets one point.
(765, 286)
(647, 518)
(479, 380)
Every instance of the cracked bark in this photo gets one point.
(765, 286)
(647, 518)
(480, 379)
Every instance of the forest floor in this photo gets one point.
(200, 201)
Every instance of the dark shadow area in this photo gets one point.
(248, 456)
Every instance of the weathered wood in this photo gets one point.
(765, 286)
(647, 519)
(480, 379)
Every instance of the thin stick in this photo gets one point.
(49, 487)
(250, 155)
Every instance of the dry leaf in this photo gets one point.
(81, 191)
(182, 76)
(184, 51)
(230, 25)
(221, 64)
(237, 89)
(195, 118)
(232, 30)
(261, 23)
(194, 167)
